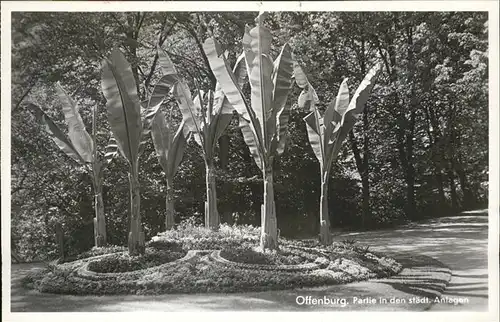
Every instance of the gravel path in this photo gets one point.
(460, 242)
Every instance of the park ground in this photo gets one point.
(449, 257)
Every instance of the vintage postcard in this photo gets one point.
(250, 159)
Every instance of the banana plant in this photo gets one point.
(207, 125)
(170, 147)
(263, 122)
(169, 144)
(327, 133)
(81, 147)
(206, 117)
(130, 121)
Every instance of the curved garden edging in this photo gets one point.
(208, 271)
(420, 274)
(216, 256)
(83, 270)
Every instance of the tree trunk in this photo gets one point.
(410, 133)
(325, 237)
(434, 134)
(365, 178)
(99, 220)
(227, 214)
(453, 190)
(136, 242)
(269, 229)
(440, 183)
(410, 192)
(211, 215)
(169, 206)
(60, 241)
(468, 201)
(365, 215)
(362, 166)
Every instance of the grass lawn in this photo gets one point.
(191, 259)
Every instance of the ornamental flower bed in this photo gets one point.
(194, 260)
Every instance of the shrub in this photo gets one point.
(197, 237)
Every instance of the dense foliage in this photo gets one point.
(419, 148)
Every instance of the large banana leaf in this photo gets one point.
(162, 139)
(190, 108)
(308, 97)
(162, 88)
(282, 78)
(248, 54)
(229, 84)
(56, 134)
(177, 149)
(220, 126)
(218, 115)
(191, 112)
(334, 113)
(240, 70)
(282, 122)
(123, 105)
(226, 78)
(251, 141)
(299, 76)
(160, 92)
(221, 103)
(323, 131)
(282, 82)
(362, 94)
(314, 121)
(169, 146)
(261, 70)
(341, 103)
(76, 129)
(314, 134)
(355, 107)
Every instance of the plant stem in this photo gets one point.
(99, 220)
(325, 237)
(269, 230)
(212, 220)
(169, 217)
(136, 243)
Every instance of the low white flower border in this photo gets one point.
(216, 256)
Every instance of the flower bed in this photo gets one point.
(220, 261)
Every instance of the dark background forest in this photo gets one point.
(420, 148)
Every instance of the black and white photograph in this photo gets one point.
(271, 157)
